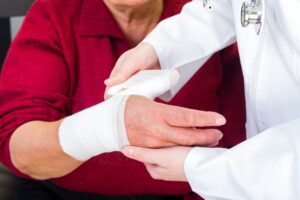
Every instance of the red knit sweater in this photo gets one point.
(56, 66)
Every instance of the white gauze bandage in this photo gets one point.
(101, 128)
(148, 83)
(95, 130)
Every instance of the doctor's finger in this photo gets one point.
(154, 171)
(192, 137)
(119, 75)
(126, 66)
(106, 96)
(183, 117)
(144, 155)
(139, 58)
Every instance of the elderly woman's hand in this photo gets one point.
(155, 125)
(164, 164)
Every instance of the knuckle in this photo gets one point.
(158, 115)
(205, 118)
(189, 119)
(188, 140)
(186, 119)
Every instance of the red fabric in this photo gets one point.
(56, 66)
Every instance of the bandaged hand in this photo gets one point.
(138, 121)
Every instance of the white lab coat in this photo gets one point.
(267, 165)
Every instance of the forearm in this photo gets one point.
(46, 150)
(36, 151)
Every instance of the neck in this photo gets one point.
(138, 20)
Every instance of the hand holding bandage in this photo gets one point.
(136, 120)
(147, 83)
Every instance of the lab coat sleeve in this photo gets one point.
(187, 40)
(266, 166)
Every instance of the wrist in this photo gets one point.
(95, 130)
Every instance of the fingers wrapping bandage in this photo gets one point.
(98, 129)
(101, 128)
(148, 83)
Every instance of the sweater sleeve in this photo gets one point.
(34, 82)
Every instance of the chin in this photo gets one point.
(129, 2)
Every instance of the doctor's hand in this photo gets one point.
(164, 164)
(156, 125)
(142, 57)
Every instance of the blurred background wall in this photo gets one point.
(11, 17)
(5, 37)
(14, 7)
(8, 29)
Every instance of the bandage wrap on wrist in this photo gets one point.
(96, 130)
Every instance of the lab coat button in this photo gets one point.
(207, 5)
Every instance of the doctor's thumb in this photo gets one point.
(112, 81)
(119, 76)
(142, 57)
(141, 154)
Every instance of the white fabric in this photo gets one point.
(148, 83)
(264, 167)
(96, 130)
(172, 52)
(267, 166)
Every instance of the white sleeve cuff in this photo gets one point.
(196, 158)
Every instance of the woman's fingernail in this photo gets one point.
(220, 121)
(215, 144)
(220, 136)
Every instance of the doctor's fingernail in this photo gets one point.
(107, 81)
(110, 81)
(220, 121)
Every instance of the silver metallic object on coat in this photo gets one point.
(252, 14)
